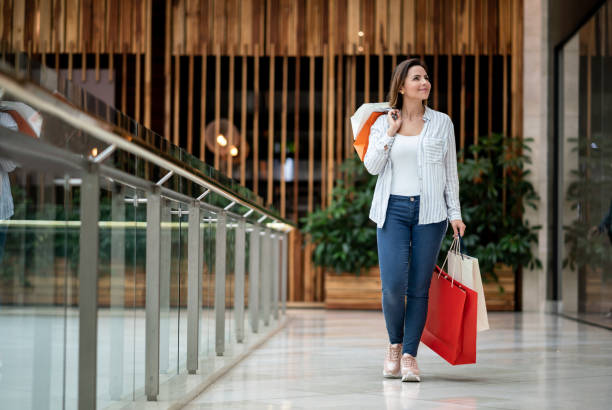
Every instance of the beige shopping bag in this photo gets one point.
(466, 269)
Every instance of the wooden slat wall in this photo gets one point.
(256, 121)
(283, 190)
(243, 119)
(345, 40)
(296, 141)
(324, 116)
(271, 127)
(167, 70)
(301, 27)
(230, 111)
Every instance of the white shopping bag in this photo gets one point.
(362, 121)
(465, 268)
(363, 113)
(27, 113)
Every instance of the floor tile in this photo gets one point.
(333, 359)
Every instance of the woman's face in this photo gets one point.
(416, 85)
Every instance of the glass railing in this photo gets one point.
(20, 66)
(124, 261)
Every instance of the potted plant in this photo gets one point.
(494, 192)
(345, 241)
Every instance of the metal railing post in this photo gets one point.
(165, 262)
(202, 338)
(117, 299)
(254, 278)
(265, 277)
(88, 289)
(275, 241)
(152, 294)
(220, 249)
(239, 279)
(194, 289)
(285, 238)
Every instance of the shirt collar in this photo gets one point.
(427, 115)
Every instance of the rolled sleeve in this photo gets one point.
(379, 147)
(384, 142)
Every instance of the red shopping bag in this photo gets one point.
(450, 329)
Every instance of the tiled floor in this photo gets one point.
(333, 359)
(599, 319)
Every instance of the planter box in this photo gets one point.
(496, 300)
(348, 291)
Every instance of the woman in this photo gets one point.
(412, 150)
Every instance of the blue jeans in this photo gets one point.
(407, 254)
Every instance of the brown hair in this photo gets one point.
(397, 79)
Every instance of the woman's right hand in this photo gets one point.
(394, 124)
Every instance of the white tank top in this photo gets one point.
(405, 177)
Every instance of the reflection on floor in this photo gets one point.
(599, 319)
(333, 359)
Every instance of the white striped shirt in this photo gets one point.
(437, 169)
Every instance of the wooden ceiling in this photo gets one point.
(295, 27)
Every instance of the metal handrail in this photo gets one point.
(42, 100)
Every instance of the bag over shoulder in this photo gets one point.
(362, 121)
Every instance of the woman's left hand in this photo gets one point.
(458, 226)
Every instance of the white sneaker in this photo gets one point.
(391, 368)
(410, 369)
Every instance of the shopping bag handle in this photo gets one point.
(461, 246)
(453, 246)
(458, 245)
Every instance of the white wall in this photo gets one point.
(535, 114)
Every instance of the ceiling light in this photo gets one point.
(221, 140)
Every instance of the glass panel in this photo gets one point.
(247, 277)
(180, 284)
(207, 318)
(121, 296)
(229, 283)
(38, 290)
(586, 132)
(39, 251)
(604, 227)
(136, 275)
(168, 349)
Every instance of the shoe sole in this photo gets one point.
(411, 378)
(391, 376)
